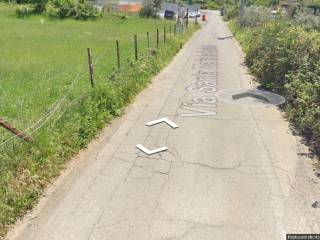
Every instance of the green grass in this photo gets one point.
(39, 60)
(45, 88)
(241, 34)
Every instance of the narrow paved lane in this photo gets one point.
(231, 171)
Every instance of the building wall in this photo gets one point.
(132, 8)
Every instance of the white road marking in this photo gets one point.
(200, 113)
(149, 152)
(160, 120)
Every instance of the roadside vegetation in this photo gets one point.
(46, 93)
(77, 9)
(204, 4)
(283, 52)
(211, 4)
(150, 8)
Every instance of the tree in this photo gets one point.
(39, 5)
(157, 4)
(150, 8)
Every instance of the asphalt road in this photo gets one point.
(231, 171)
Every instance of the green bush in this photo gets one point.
(256, 16)
(150, 8)
(269, 55)
(77, 9)
(303, 96)
(39, 5)
(232, 12)
(285, 59)
(265, 3)
(120, 15)
(211, 5)
(71, 8)
(84, 10)
(147, 11)
(310, 22)
(277, 49)
(23, 12)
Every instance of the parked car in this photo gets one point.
(169, 14)
(194, 14)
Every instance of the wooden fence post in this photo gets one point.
(13, 130)
(175, 29)
(157, 37)
(90, 66)
(187, 22)
(118, 53)
(148, 40)
(136, 47)
(170, 30)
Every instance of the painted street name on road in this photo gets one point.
(205, 81)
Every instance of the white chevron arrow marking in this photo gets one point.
(149, 152)
(160, 120)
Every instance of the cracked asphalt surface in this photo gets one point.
(231, 171)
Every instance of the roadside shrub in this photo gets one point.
(278, 49)
(71, 8)
(23, 12)
(310, 22)
(150, 8)
(286, 59)
(39, 5)
(77, 9)
(303, 96)
(232, 12)
(211, 5)
(147, 11)
(273, 53)
(315, 6)
(84, 10)
(51, 10)
(120, 15)
(256, 16)
(265, 3)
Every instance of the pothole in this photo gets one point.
(250, 97)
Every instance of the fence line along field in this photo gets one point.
(40, 57)
(47, 95)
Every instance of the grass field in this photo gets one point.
(45, 91)
(40, 57)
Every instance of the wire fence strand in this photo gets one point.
(32, 129)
